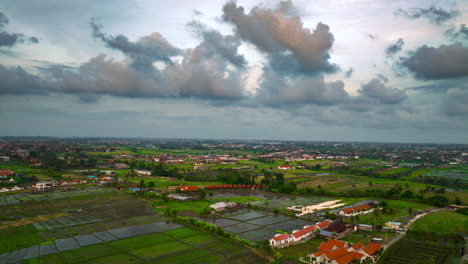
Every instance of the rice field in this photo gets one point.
(101, 226)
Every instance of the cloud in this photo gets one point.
(11, 39)
(455, 103)
(277, 91)
(280, 34)
(461, 34)
(377, 91)
(382, 78)
(18, 81)
(349, 73)
(443, 62)
(144, 52)
(203, 72)
(215, 43)
(394, 48)
(434, 14)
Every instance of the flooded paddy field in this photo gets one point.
(102, 226)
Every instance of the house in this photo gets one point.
(16, 188)
(42, 186)
(393, 225)
(323, 224)
(4, 158)
(122, 166)
(286, 167)
(11, 180)
(110, 173)
(190, 188)
(4, 189)
(280, 240)
(340, 252)
(181, 198)
(371, 249)
(357, 210)
(143, 172)
(5, 173)
(221, 206)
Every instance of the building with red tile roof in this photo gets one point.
(371, 249)
(339, 252)
(359, 209)
(331, 255)
(279, 240)
(323, 224)
(344, 259)
(357, 246)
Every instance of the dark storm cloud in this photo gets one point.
(375, 90)
(454, 34)
(349, 73)
(10, 39)
(290, 48)
(434, 14)
(444, 62)
(394, 48)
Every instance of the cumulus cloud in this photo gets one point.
(278, 90)
(203, 72)
(434, 14)
(10, 39)
(460, 34)
(215, 43)
(377, 91)
(280, 34)
(394, 48)
(443, 62)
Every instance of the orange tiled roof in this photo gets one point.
(323, 224)
(337, 243)
(320, 253)
(356, 255)
(336, 253)
(345, 259)
(371, 248)
(325, 246)
(281, 237)
(357, 246)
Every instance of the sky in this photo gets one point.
(344, 70)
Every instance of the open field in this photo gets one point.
(101, 226)
(444, 222)
(396, 210)
(423, 250)
(182, 245)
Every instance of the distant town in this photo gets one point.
(259, 201)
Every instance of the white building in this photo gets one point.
(42, 186)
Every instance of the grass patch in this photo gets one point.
(160, 250)
(119, 258)
(140, 241)
(19, 237)
(181, 232)
(443, 222)
(197, 206)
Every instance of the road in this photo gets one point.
(411, 222)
